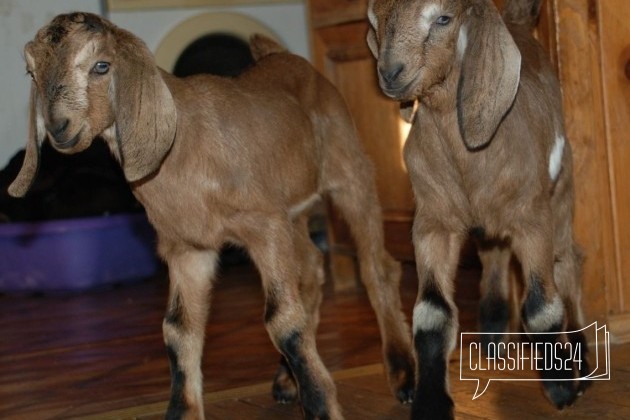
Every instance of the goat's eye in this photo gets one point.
(101, 67)
(443, 20)
(31, 75)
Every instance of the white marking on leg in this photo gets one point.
(429, 317)
(552, 314)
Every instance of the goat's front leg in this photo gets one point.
(191, 273)
(271, 244)
(543, 311)
(494, 306)
(434, 321)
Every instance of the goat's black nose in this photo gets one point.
(58, 127)
(391, 73)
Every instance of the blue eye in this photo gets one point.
(443, 20)
(101, 67)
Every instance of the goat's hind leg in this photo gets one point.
(348, 177)
(568, 267)
(357, 200)
(311, 280)
(271, 245)
(567, 271)
(567, 278)
(191, 273)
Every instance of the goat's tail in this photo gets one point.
(522, 12)
(261, 46)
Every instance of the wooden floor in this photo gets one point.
(100, 355)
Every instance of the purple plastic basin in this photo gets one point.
(76, 254)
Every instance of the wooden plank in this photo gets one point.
(333, 12)
(613, 18)
(580, 76)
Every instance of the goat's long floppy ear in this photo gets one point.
(19, 187)
(145, 113)
(490, 75)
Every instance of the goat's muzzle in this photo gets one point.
(58, 127)
(389, 74)
(60, 135)
(394, 81)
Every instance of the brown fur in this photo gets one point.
(479, 155)
(217, 160)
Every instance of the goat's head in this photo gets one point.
(89, 78)
(420, 45)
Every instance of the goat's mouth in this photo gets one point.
(400, 91)
(66, 144)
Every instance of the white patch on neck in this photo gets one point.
(428, 15)
(462, 42)
(555, 158)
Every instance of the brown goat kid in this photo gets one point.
(487, 156)
(216, 160)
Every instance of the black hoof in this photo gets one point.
(401, 374)
(283, 394)
(561, 393)
(564, 393)
(284, 389)
(432, 407)
(584, 369)
(405, 394)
